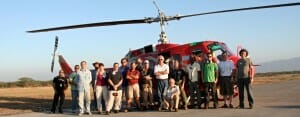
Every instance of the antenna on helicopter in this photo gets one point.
(162, 18)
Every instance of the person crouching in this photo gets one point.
(171, 96)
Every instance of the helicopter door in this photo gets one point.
(176, 57)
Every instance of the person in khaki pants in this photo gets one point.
(115, 80)
(147, 75)
(101, 87)
(171, 96)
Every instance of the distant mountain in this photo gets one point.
(292, 64)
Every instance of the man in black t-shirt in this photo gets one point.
(179, 76)
(115, 80)
(146, 83)
(60, 84)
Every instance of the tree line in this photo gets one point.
(25, 82)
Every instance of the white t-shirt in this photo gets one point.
(159, 68)
(193, 70)
(171, 90)
(226, 67)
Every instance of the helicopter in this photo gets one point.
(171, 51)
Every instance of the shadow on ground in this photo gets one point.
(24, 103)
(286, 107)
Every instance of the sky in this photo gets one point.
(269, 34)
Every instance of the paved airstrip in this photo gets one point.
(276, 100)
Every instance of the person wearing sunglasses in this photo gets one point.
(74, 91)
(161, 71)
(210, 78)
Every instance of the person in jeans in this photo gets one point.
(74, 90)
(123, 69)
(146, 82)
(194, 72)
(245, 78)
(60, 84)
(210, 77)
(83, 85)
(179, 76)
(226, 69)
(161, 71)
(101, 87)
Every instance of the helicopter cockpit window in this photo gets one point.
(196, 52)
(217, 50)
(215, 46)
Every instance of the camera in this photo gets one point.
(115, 94)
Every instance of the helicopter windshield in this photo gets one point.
(218, 49)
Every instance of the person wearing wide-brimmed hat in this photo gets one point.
(96, 66)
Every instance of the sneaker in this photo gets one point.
(106, 113)
(216, 106)
(185, 107)
(80, 114)
(60, 111)
(224, 106)
(240, 107)
(251, 106)
(89, 113)
(206, 106)
(159, 109)
(170, 109)
(191, 106)
(117, 111)
(230, 106)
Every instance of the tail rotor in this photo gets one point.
(54, 53)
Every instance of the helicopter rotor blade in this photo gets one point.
(157, 19)
(91, 25)
(241, 9)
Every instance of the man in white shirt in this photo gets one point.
(84, 84)
(193, 69)
(161, 71)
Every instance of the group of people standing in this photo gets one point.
(118, 88)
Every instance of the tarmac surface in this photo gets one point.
(276, 100)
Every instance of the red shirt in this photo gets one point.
(101, 80)
(133, 81)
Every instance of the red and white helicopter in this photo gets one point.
(179, 52)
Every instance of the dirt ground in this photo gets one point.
(39, 99)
